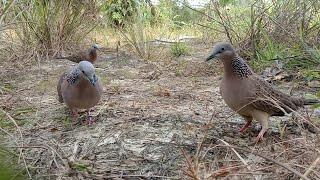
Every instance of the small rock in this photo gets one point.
(135, 146)
(314, 84)
(317, 112)
(108, 140)
(153, 156)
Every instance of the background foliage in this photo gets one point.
(263, 32)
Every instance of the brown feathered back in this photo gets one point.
(273, 101)
(87, 55)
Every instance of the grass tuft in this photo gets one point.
(179, 48)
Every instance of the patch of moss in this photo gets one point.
(9, 168)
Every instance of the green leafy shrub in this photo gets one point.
(119, 13)
(311, 74)
(264, 31)
(179, 48)
(48, 26)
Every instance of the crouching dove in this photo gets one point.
(80, 88)
(248, 94)
(89, 55)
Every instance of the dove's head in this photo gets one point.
(87, 70)
(223, 51)
(96, 46)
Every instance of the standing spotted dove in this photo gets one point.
(88, 55)
(80, 88)
(248, 94)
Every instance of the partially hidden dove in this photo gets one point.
(88, 55)
(248, 94)
(80, 88)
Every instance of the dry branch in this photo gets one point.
(271, 160)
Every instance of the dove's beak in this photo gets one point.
(210, 57)
(93, 79)
(215, 54)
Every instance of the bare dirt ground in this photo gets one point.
(162, 119)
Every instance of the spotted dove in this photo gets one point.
(80, 88)
(248, 94)
(89, 55)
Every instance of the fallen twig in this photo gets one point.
(312, 166)
(240, 157)
(19, 130)
(269, 159)
(137, 176)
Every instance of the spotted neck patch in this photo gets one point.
(240, 67)
(73, 77)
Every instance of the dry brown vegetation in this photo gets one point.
(161, 116)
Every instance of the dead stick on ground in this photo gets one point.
(19, 130)
(313, 165)
(240, 157)
(133, 175)
(75, 151)
(269, 159)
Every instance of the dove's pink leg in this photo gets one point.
(260, 135)
(74, 114)
(263, 118)
(90, 120)
(245, 127)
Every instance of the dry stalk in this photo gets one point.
(312, 166)
(22, 140)
(271, 160)
(193, 163)
(193, 167)
(205, 14)
(134, 176)
(224, 25)
(240, 157)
